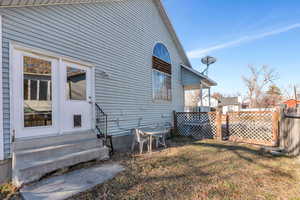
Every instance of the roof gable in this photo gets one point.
(158, 3)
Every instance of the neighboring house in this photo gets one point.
(291, 103)
(210, 102)
(66, 65)
(207, 104)
(230, 104)
(193, 102)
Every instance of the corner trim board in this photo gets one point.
(1, 98)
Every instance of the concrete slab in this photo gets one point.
(67, 185)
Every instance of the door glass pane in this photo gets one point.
(76, 84)
(33, 89)
(37, 97)
(26, 89)
(43, 90)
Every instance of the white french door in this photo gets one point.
(49, 96)
(35, 94)
(76, 97)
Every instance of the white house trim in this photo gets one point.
(1, 98)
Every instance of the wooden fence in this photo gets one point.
(200, 125)
(256, 127)
(290, 131)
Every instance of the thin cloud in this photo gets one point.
(198, 53)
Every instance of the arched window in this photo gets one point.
(162, 73)
(160, 51)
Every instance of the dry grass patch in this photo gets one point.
(198, 170)
(202, 170)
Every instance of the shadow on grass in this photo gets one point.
(245, 153)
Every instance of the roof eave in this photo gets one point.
(209, 81)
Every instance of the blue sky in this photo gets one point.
(240, 33)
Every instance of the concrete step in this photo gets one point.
(31, 143)
(27, 172)
(44, 153)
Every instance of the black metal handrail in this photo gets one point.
(101, 127)
(101, 122)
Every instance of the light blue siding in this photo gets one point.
(118, 37)
(190, 79)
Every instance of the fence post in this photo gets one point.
(219, 135)
(282, 127)
(275, 126)
(175, 123)
(227, 126)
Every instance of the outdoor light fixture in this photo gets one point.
(104, 75)
(208, 60)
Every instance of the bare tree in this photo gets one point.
(291, 91)
(272, 97)
(218, 96)
(258, 80)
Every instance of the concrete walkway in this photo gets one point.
(67, 185)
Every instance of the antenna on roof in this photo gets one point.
(208, 60)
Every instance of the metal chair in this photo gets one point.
(139, 138)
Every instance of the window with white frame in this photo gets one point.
(161, 73)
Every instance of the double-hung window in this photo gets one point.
(161, 73)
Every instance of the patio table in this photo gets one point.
(152, 132)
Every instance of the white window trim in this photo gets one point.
(1, 98)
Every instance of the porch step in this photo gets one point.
(31, 171)
(44, 153)
(50, 154)
(25, 144)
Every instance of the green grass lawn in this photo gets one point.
(201, 170)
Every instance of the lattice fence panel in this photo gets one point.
(251, 127)
(196, 124)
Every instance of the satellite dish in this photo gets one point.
(208, 60)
